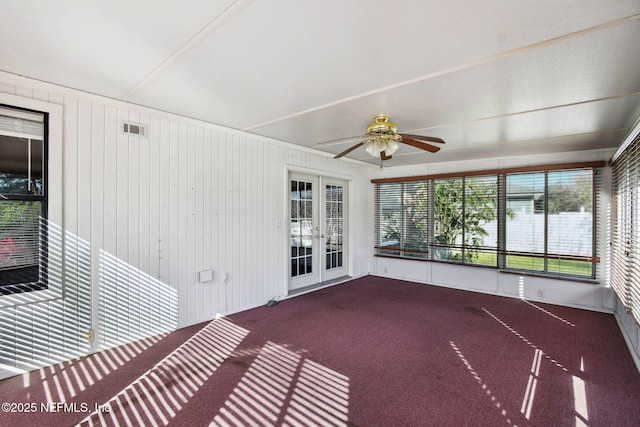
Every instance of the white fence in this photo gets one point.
(568, 233)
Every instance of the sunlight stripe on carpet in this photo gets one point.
(160, 393)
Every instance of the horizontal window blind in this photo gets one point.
(448, 219)
(481, 220)
(20, 234)
(540, 220)
(625, 229)
(21, 124)
(550, 221)
(401, 219)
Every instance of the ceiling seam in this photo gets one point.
(216, 23)
(535, 110)
(499, 116)
(523, 141)
(452, 70)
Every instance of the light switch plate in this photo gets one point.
(205, 276)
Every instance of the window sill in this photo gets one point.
(12, 300)
(585, 280)
(517, 272)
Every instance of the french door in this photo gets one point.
(317, 229)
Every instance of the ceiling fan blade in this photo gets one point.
(339, 141)
(348, 150)
(423, 138)
(420, 145)
(383, 156)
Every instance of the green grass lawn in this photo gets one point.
(578, 268)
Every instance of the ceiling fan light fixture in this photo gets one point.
(372, 148)
(392, 147)
(380, 145)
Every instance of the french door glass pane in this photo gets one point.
(334, 226)
(301, 228)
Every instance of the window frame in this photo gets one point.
(53, 236)
(548, 255)
(43, 270)
(406, 247)
(501, 216)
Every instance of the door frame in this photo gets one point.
(286, 251)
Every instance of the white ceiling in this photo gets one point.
(493, 78)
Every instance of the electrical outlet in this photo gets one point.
(541, 293)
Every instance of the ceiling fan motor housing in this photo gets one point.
(381, 126)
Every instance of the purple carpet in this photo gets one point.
(370, 352)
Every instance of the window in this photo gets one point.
(521, 219)
(23, 200)
(625, 239)
(401, 219)
(465, 220)
(549, 222)
(448, 219)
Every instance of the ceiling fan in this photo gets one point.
(381, 139)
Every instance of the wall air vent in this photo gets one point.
(136, 129)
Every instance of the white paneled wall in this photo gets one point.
(142, 216)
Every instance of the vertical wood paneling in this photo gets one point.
(108, 275)
(241, 252)
(199, 228)
(132, 196)
(98, 120)
(253, 240)
(123, 325)
(173, 260)
(224, 230)
(217, 296)
(142, 216)
(144, 224)
(192, 238)
(154, 196)
(205, 220)
(67, 319)
(82, 248)
(165, 205)
(156, 212)
(182, 197)
(262, 223)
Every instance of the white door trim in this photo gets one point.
(288, 170)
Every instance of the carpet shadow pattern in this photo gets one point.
(161, 393)
(369, 352)
(420, 355)
(280, 379)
